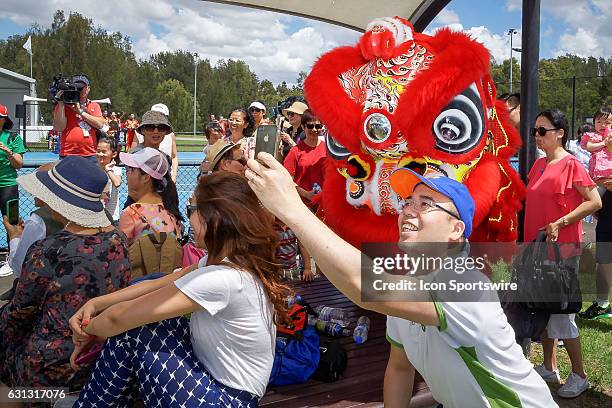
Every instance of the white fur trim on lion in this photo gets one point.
(401, 32)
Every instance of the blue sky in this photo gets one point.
(278, 46)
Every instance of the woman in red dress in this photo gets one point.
(560, 194)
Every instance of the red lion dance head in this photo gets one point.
(406, 99)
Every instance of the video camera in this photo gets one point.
(71, 91)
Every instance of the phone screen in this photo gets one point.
(12, 211)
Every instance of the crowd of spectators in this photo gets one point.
(73, 259)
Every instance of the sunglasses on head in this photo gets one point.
(541, 131)
(317, 126)
(161, 128)
(255, 110)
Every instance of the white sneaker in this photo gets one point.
(573, 387)
(6, 270)
(547, 375)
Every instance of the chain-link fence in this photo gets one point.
(185, 184)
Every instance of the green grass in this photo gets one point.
(596, 340)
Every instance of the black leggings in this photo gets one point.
(6, 194)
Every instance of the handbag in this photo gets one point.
(544, 282)
(332, 362)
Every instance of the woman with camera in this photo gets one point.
(11, 160)
(560, 194)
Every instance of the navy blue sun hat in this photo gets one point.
(403, 181)
(73, 188)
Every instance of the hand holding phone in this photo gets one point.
(12, 211)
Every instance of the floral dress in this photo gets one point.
(60, 274)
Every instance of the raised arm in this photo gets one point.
(338, 260)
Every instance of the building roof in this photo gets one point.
(7, 73)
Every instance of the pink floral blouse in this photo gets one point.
(140, 219)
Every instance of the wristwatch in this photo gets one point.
(82, 111)
(564, 221)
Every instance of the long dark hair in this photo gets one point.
(248, 118)
(167, 191)
(239, 228)
(559, 121)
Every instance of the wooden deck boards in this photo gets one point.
(361, 384)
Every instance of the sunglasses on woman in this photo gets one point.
(317, 126)
(161, 128)
(541, 131)
(257, 110)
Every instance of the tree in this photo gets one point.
(179, 102)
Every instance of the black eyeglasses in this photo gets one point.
(191, 209)
(425, 205)
(541, 131)
(255, 110)
(317, 126)
(161, 128)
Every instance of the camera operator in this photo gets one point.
(78, 123)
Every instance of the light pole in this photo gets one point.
(511, 33)
(195, 92)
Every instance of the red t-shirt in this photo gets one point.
(551, 194)
(73, 140)
(305, 164)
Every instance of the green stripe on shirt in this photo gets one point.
(497, 393)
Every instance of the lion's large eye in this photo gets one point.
(377, 127)
(336, 150)
(459, 127)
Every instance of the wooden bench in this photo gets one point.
(362, 382)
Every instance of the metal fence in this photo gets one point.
(185, 184)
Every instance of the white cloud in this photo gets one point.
(446, 17)
(276, 46)
(497, 44)
(584, 25)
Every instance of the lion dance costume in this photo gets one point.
(406, 99)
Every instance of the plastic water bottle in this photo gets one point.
(332, 329)
(334, 315)
(360, 335)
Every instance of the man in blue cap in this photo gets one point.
(465, 351)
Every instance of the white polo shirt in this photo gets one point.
(472, 359)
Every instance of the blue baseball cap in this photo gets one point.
(404, 181)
